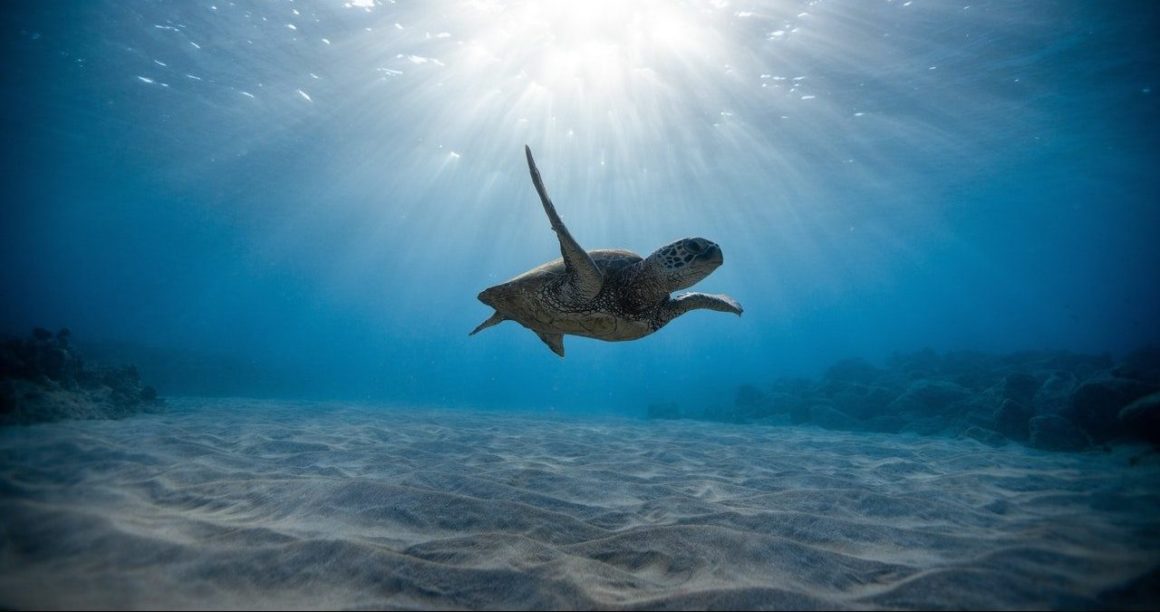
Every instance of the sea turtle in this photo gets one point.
(608, 294)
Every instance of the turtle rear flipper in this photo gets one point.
(554, 342)
(495, 319)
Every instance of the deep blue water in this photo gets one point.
(324, 188)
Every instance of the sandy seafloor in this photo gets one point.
(253, 504)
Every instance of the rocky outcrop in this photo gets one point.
(1052, 400)
(43, 378)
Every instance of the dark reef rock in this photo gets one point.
(42, 378)
(1142, 418)
(927, 397)
(1142, 365)
(1047, 399)
(857, 371)
(1054, 393)
(1021, 387)
(1095, 406)
(1011, 419)
(828, 417)
(750, 403)
(1055, 433)
(984, 435)
(1140, 593)
(664, 410)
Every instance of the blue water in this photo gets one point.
(324, 188)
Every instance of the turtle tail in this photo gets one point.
(495, 319)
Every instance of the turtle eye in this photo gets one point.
(694, 246)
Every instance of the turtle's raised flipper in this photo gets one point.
(495, 319)
(586, 279)
(695, 301)
(554, 342)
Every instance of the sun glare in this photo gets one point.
(594, 46)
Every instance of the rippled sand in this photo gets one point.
(245, 504)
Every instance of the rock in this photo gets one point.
(1142, 365)
(751, 402)
(1011, 419)
(828, 417)
(720, 413)
(861, 401)
(777, 420)
(1020, 387)
(1095, 406)
(928, 397)
(936, 425)
(1055, 393)
(989, 437)
(43, 379)
(1141, 418)
(853, 371)
(1140, 593)
(887, 423)
(660, 410)
(799, 413)
(1055, 433)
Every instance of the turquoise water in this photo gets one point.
(940, 218)
(323, 188)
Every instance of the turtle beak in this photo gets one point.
(712, 255)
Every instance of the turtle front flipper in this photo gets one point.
(585, 279)
(554, 342)
(695, 301)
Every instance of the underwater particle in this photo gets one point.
(195, 45)
(859, 114)
(190, 76)
(247, 94)
(145, 79)
(304, 95)
(808, 97)
(607, 294)
(326, 41)
(160, 63)
(292, 26)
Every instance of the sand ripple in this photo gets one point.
(244, 504)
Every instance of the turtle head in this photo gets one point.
(684, 263)
(499, 297)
